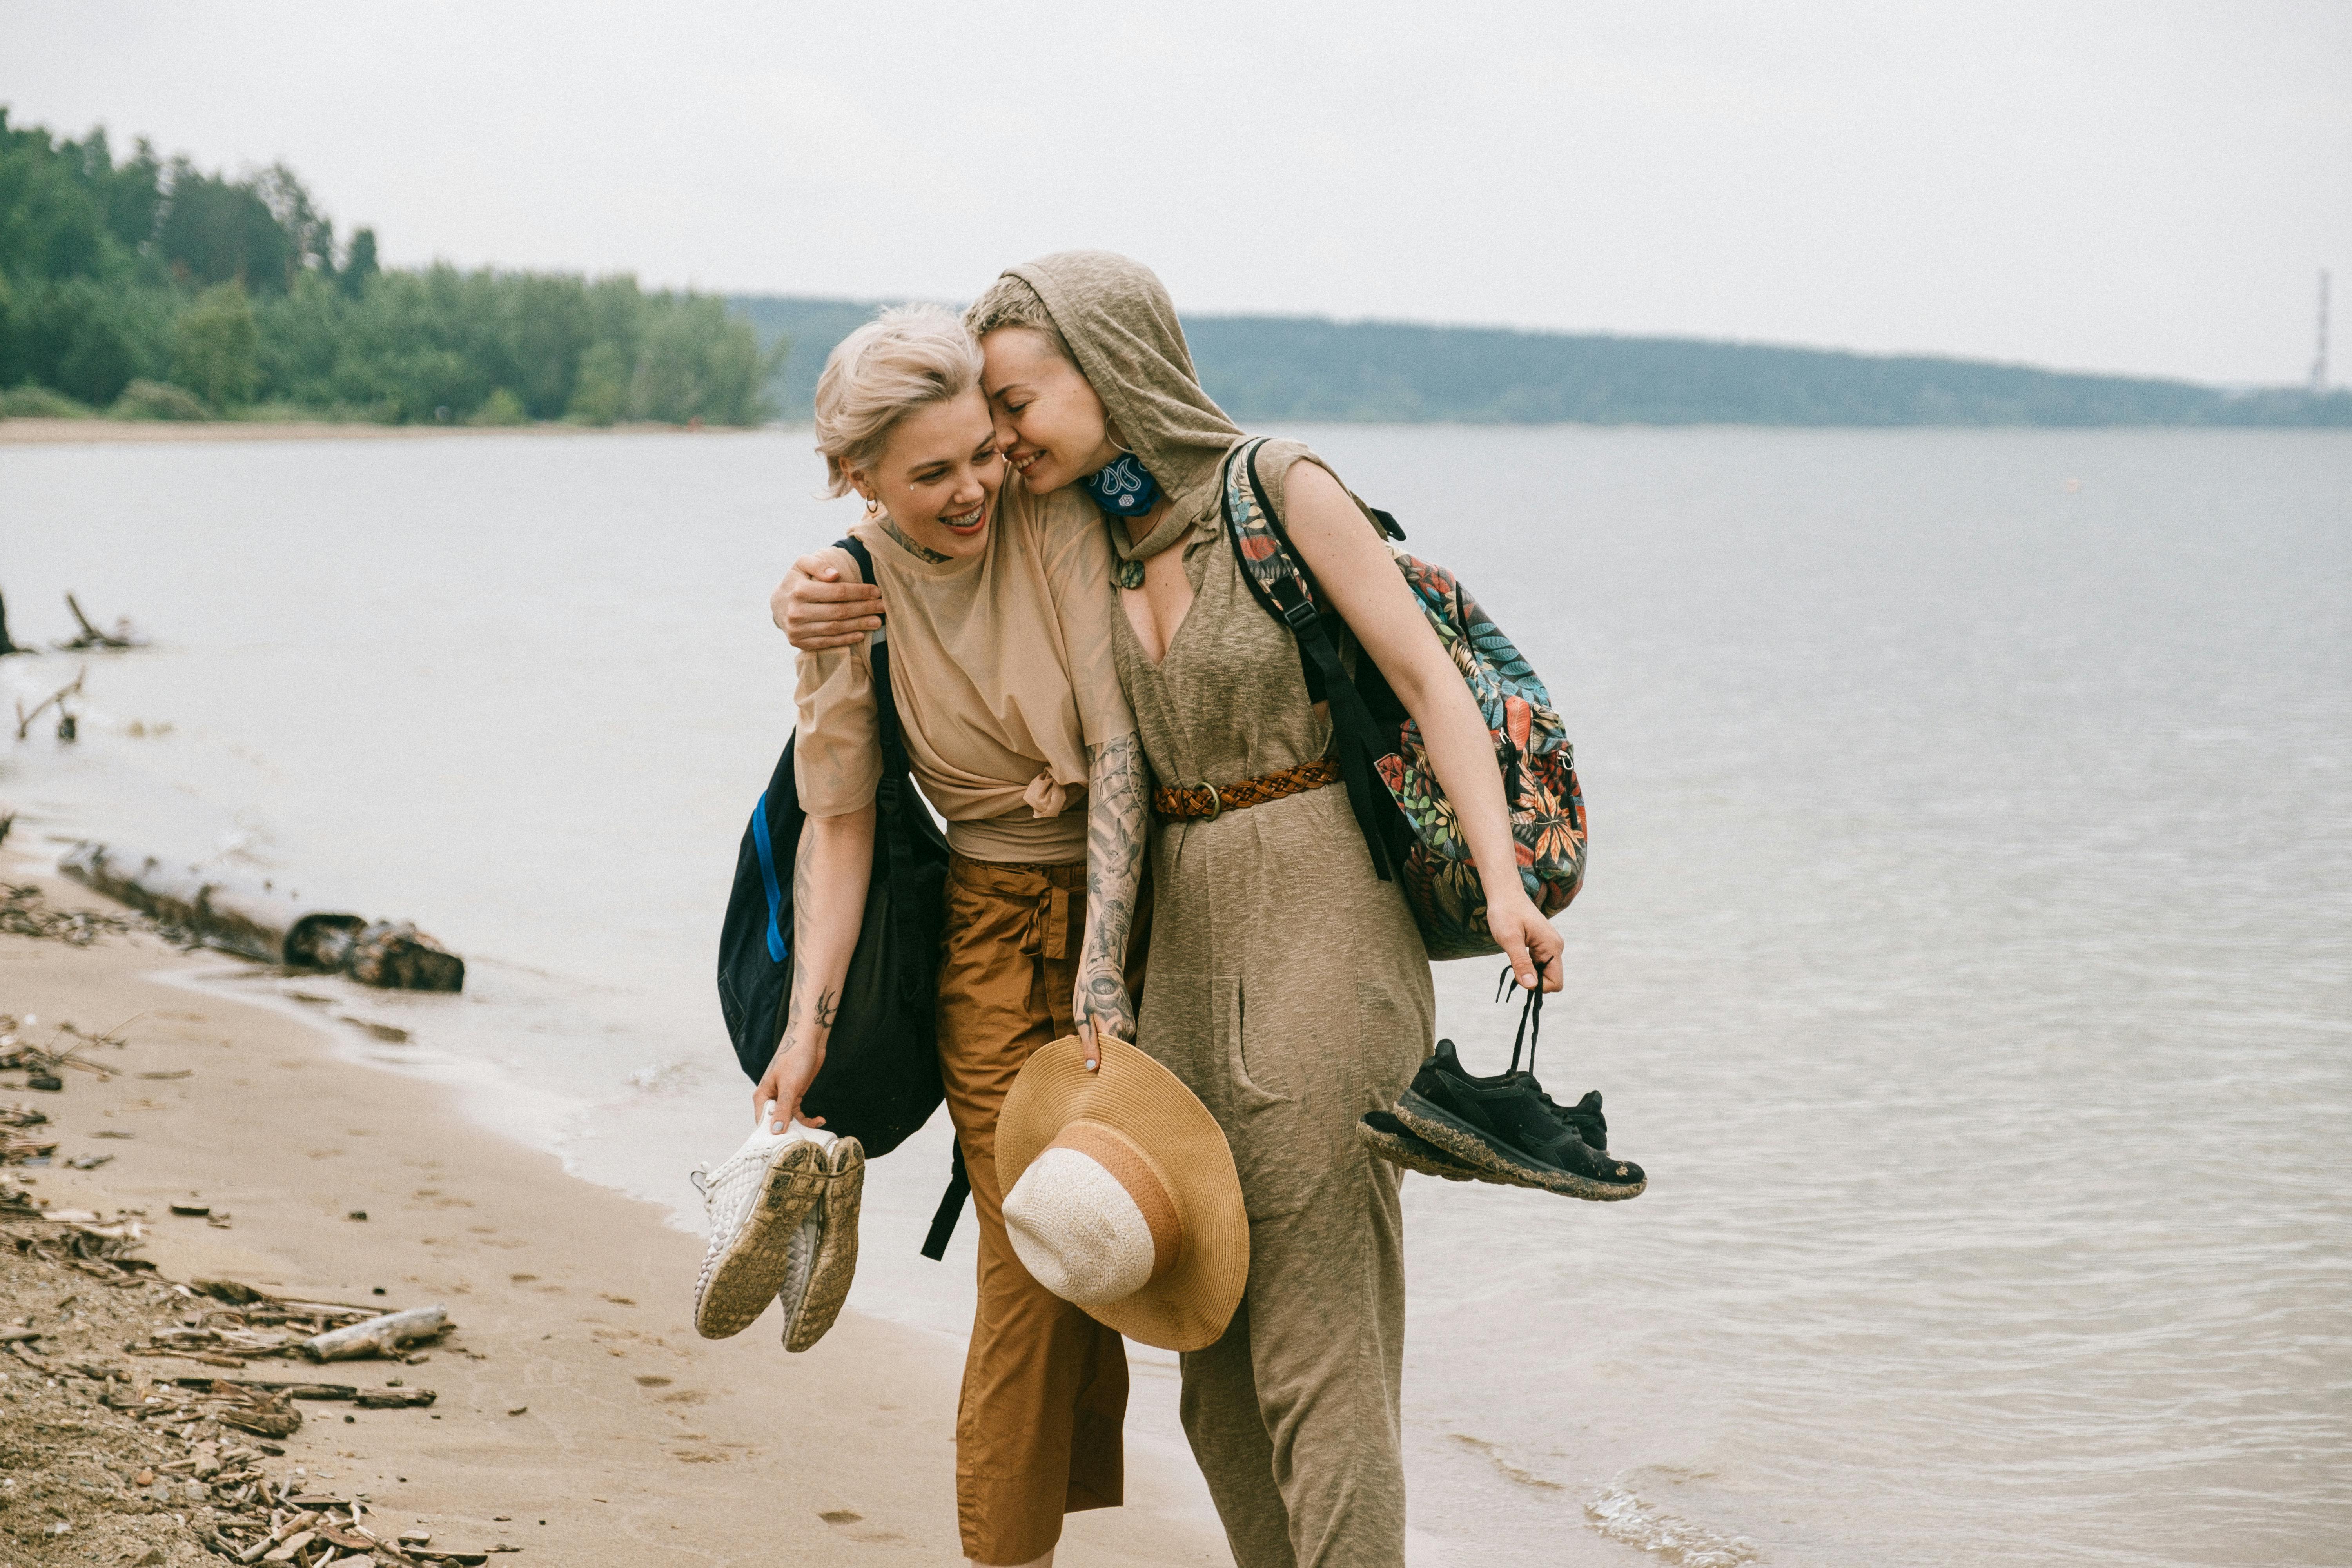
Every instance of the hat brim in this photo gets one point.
(1187, 1307)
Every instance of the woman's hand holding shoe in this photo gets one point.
(787, 1079)
(1531, 943)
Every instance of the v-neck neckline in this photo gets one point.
(1168, 651)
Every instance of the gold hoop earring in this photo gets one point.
(873, 509)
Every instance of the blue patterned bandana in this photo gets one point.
(1124, 488)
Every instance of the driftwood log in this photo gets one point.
(377, 1336)
(261, 923)
(89, 637)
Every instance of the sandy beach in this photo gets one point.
(578, 1417)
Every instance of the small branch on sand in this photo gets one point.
(53, 699)
(378, 1336)
(7, 647)
(90, 637)
(23, 911)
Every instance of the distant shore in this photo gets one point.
(66, 432)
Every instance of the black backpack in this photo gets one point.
(880, 1081)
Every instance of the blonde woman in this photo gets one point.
(1002, 670)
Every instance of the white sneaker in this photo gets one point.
(758, 1202)
(821, 1259)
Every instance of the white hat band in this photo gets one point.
(1077, 1231)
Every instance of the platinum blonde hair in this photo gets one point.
(909, 357)
(1011, 303)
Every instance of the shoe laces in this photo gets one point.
(1530, 1032)
(1530, 1018)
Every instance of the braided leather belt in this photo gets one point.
(1206, 801)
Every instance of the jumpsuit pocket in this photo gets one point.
(1260, 1115)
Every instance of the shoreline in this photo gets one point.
(574, 1297)
(39, 432)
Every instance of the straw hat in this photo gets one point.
(1120, 1195)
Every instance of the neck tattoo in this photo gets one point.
(920, 553)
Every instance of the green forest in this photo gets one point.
(139, 288)
(1303, 368)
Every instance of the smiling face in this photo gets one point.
(938, 475)
(1051, 426)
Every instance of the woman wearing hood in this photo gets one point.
(1288, 987)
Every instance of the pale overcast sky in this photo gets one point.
(2148, 187)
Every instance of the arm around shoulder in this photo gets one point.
(823, 604)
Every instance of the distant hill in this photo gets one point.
(1307, 368)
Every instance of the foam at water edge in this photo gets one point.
(1621, 1515)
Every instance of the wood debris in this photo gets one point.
(262, 923)
(89, 637)
(379, 1336)
(250, 1325)
(79, 1239)
(61, 700)
(119, 1457)
(15, 1149)
(25, 913)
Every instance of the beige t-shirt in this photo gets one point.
(1001, 666)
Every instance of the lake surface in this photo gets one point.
(1966, 952)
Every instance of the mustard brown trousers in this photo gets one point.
(1045, 1386)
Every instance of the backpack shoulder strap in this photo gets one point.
(895, 771)
(1276, 578)
(1280, 580)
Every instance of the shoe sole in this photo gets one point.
(1466, 1143)
(834, 1263)
(1400, 1147)
(748, 1277)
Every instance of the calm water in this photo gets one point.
(1967, 951)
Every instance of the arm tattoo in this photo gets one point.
(802, 884)
(828, 1007)
(1116, 792)
(913, 549)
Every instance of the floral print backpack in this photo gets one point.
(1407, 821)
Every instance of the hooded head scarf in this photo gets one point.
(1121, 326)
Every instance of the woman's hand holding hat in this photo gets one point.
(1102, 1009)
(1120, 1194)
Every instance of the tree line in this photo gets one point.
(1267, 368)
(144, 288)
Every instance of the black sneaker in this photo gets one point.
(1585, 1118)
(1509, 1128)
(1385, 1135)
